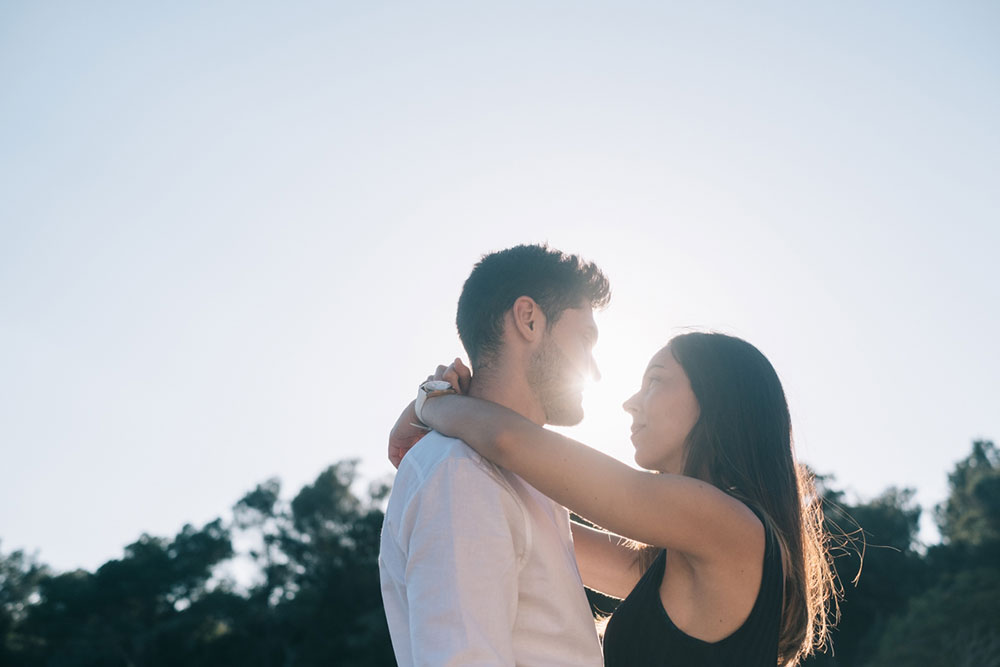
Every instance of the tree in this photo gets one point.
(954, 623)
(971, 514)
(316, 601)
(20, 575)
(318, 556)
(877, 565)
(135, 610)
(332, 543)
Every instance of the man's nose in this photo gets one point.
(595, 373)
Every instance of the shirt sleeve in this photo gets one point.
(464, 536)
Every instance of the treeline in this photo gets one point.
(313, 596)
(315, 599)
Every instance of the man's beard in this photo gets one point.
(556, 385)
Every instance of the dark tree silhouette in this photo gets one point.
(954, 623)
(131, 610)
(955, 620)
(877, 565)
(315, 599)
(971, 514)
(20, 576)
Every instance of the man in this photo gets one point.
(477, 567)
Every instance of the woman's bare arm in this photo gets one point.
(669, 511)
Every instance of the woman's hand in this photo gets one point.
(405, 433)
(407, 430)
(457, 373)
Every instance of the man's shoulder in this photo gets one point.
(438, 455)
(435, 449)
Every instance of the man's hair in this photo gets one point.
(555, 280)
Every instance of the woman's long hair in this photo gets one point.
(742, 444)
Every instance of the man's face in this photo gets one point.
(561, 365)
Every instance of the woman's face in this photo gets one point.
(664, 411)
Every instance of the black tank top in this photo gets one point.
(641, 633)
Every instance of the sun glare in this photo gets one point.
(622, 353)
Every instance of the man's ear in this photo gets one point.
(529, 320)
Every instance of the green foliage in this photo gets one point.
(877, 565)
(20, 576)
(941, 607)
(324, 561)
(316, 600)
(955, 623)
(133, 610)
(972, 512)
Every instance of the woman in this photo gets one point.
(735, 571)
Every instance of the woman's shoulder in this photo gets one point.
(738, 529)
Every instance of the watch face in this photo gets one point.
(435, 385)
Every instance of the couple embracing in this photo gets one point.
(716, 548)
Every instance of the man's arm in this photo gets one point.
(464, 538)
(606, 562)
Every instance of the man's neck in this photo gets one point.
(508, 388)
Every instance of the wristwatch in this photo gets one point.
(430, 389)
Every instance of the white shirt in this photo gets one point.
(477, 566)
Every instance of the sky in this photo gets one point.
(232, 235)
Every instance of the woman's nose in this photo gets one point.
(629, 405)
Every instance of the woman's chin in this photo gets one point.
(655, 466)
(641, 462)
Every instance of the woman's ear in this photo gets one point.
(529, 320)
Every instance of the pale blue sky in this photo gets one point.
(232, 235)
